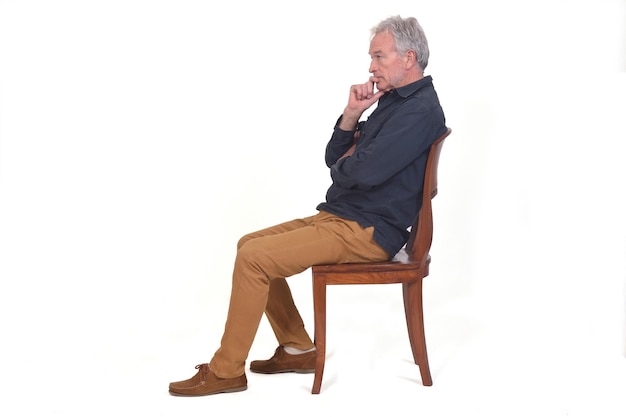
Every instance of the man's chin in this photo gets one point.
(382, 86)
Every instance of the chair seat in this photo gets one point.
(397, 270)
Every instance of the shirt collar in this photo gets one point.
(407, 90)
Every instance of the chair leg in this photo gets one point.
(413, 309)
(319, 317)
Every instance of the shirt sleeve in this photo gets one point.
(339, 143)
(381, 154)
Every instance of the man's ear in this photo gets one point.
(410, 58)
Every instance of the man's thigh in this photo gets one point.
(324, 238)
(277, 229)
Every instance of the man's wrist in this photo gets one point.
(349, 121)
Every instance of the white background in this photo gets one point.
(140, 139)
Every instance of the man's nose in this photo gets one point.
(372, 66)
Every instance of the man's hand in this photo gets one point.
(361, 98)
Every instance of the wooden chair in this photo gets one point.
(407, 268)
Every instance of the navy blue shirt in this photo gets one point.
(381, 184)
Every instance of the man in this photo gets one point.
(373, 199)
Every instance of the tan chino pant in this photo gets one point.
(264, 259)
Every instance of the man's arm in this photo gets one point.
(343, 141)
(352, 148)
(402, 139)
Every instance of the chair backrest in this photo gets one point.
(421, 237)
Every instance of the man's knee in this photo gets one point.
(253, 263)
(243, 240)
(249, 253)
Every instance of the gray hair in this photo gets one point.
(408, 35)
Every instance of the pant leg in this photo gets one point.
(284, 317)
(280, 309)
(323, 239)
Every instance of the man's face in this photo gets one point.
(388, 68)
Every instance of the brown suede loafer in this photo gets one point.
(205, 382)
(284, 362)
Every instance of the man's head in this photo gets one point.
(399, 52)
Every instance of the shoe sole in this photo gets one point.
(283, 371)
(225, 391)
